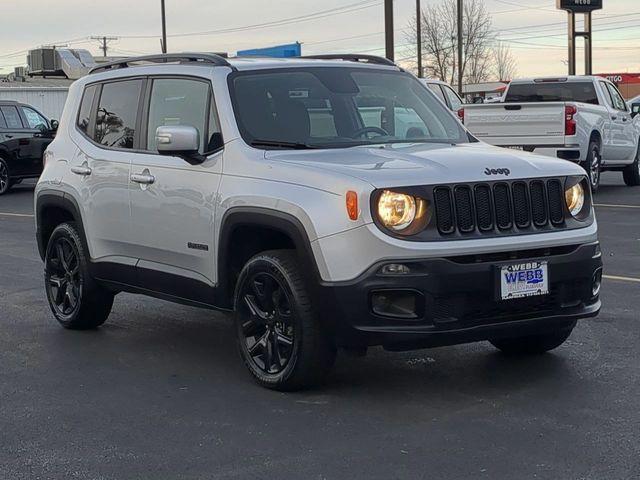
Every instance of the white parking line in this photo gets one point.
(616, 206)
(622, 279)
(8, 214)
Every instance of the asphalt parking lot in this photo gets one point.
(159, 392)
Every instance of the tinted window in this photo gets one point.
(34, 119)
(454, 100)
(11, 117)
(84, 115)
(178, 102)
(618, 102)
(328, 107)
(583, 92)
(435, 88)
(117, 113)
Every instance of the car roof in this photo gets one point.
(259, 63)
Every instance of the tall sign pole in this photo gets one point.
(388, 29)
(164, 27)
(586, 7)
(460, 38)
(419, 37)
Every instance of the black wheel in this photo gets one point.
(280, 339)
(76, 300)
(593, 165)
(5, 181)
(631, 174)
(532, 344)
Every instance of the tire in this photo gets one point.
(593, 165)
(280, 338)
(631, 174)
(75, 299)
(5, 179)
(532, 344)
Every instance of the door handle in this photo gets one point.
(9, 136)
(624, 119)
(144, 178)
(614, 117)
(83, 170)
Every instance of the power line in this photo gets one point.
(353, 7)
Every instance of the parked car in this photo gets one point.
(24, 135)
(582, 119)
(329, 202)
(445, 93)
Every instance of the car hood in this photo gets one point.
(422, 164)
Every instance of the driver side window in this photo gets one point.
(34, 119)
(618, 102)
(179, 101)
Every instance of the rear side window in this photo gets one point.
(11, 116)
(84, 114)
(117, 114)
(583, 92)
(179, 102)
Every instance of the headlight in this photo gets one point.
(574, 197)
(402, 213)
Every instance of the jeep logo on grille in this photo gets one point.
(497, 171)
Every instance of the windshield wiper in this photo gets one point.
(281, 144)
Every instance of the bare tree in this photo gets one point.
(439, 41)
(505, 65)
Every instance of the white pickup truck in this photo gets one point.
(583, 119)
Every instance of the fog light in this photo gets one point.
(395, 269)
(395, 303)
(596, 283)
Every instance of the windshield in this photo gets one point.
(336, 107)
(583, 92)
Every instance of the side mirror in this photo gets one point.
(54, 125)
(635, 109)
(181, 141)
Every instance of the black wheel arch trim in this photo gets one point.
(282, 222)
(55, 198)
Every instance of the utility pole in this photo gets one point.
(104, 41)
(419, 37)
(164, 27)
(388, 29)
(460, 20)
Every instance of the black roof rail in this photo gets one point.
(353, 57)
(199, 58)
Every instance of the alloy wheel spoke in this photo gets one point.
(256, 312)
(61, 258)
(251, 328)
(282, 339)
(260, 345)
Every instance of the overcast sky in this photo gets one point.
(536, 34)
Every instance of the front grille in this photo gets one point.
(501, 207)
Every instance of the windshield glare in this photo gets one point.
(334, 107)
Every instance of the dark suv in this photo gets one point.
(24, 135)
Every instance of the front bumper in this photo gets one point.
(456, 300)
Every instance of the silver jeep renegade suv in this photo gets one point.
(328, 202)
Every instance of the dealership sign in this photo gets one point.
(579, 6)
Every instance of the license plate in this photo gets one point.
(515, 147)
(522, 280)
